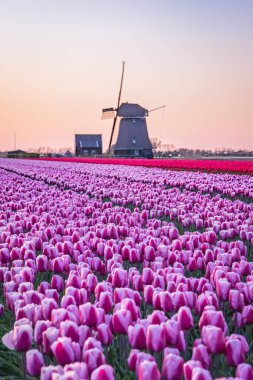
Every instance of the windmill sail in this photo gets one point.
(108, 113)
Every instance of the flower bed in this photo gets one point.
(120, 272)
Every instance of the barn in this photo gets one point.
(88, 145)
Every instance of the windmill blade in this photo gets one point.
(108, 113)
(119, 97)
(113, 127)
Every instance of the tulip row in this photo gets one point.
(226, 166)
(106, 271)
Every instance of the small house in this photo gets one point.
(88, 145)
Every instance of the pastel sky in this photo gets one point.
(60, 64)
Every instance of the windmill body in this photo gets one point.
(133, 139)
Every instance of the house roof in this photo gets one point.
(88, 141)
(131, 110)
(133, 134)
(17, 151)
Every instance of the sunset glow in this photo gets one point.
(61, 64)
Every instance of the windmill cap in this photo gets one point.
(131, 110)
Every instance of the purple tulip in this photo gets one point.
(34, 362)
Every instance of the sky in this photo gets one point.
(61, 61)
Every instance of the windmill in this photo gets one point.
(133, 139)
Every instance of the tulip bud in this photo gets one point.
(34, 362)
(63, 351)
(121, 320)
(22, 337)
(104, 334)
(244, 371)
(200, 374)
(148, 371)
(213, 338)
(137, 336)
(185, 318)
(172, 367)
(103, 372)
(155, 339)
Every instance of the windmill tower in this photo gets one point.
(133, 139)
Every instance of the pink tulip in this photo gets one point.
(185, 318)
(49, 336)
(80, 369)
(214, 318)
(119, 278)
(39, 328)
(155, 339)
(235, 351)
(213, 338)
(132, 359)
(90, 343)
(223, 288)
(236, 300)
(148, 371)
(104, 334)
(93, 358)
(88, 314)
(63, 351)
(34, 362)
(200, 374)
(121, 320)
(47, 372)
(103, 372)
(247, 315)
(188, 368)
(244, 371)
(22, 337)
(130, 305)
(171, 328)
(201, 353)
(69, 329)
(172, 367)
(57, 283)
(106, 301)
(47, 305)
(137, 336)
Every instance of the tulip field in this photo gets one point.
(125, 272)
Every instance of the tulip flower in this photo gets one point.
(213, 338)
(244, 371)
(236, 300)
(63, 350)
(172, 367)
(236, 348)
(148, 371)
(200, 374)
(47, 372)
(93, 358)
(155, 338)
(88, 314)
(103, 372)
(185, 318)
(22, 337)
(201, 353)
(188, 368)
(104, 334)
(121, 320)
(137, 336)
(69, 329)
(34, 362)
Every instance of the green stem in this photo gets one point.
(23, 355)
